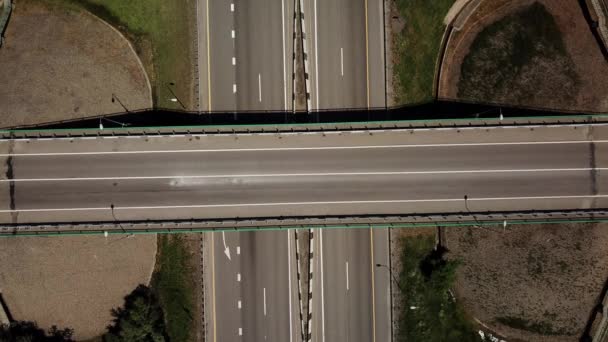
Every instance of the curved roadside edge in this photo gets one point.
(141, 65)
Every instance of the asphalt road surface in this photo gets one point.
(351, 295)
(346, 43)
(254, 289)
(245, 55)
(303, 174)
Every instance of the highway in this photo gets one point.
(302, 174)
(346, 44)
(245, 55)
(254, 291)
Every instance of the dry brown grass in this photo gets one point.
(73, 281)
(590, 66)
(65, 64)
(545, 274)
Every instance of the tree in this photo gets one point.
(25, 331)
(141, 319)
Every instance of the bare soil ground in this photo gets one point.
(546, 276)
(73, 281)
(59, 64)
(589, 64)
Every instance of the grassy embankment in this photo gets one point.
(520, 59)
(427, 311)
(160, 33)
(416, 49)
(171, 282)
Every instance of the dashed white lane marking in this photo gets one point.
(238, 277)
(231, 7)
(239, 304)
(238, 205)
(238, 250)
(342, 61)
(234, 88)
(266, 149)
(233, 33)
(347, 285)
(233, 60)
(240, 331)
(260, 86)
(264, 301)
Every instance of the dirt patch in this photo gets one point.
(73, 281)
(65, 64)
(581, 48)
(531, 283)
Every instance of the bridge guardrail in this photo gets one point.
(487, 220)
(302, 127)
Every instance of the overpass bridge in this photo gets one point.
(199, 178)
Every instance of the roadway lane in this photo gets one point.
(346, 44)
(250, 55)
(264, 50)
(376, 54)
(220, 51)
(254, 288)
(351, 301)
(268, 162)
(345, 298)
(309, 174)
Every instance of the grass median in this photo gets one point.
(416, 48)
(427, 312)
(171, 281)
(160, 32)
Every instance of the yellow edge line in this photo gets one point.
(371, 234)
(213, 284)
(367, 53)
(208, 62)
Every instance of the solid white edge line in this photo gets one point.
(316, 57)
(289, 283)
(321, 174)
(195, 206)
(322, 287)
(262, 149)
(284, 60)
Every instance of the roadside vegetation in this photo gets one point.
(141, 319)
(25, 331)
(163, 311)
(416, 48)
(521, 60)
(171, 281)
(161, 35)
(428, 311)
